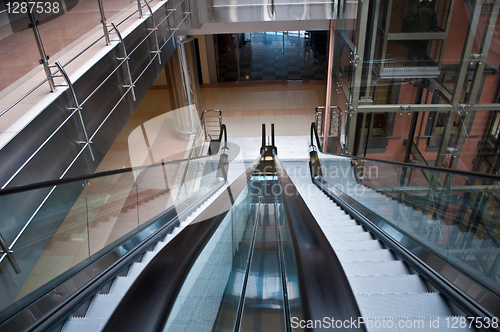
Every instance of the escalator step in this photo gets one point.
(357, 236)
(136, 269)
(332, 229)
(387, 284)
(121, 285)
(103, 305)
(374, 268)
(76, 324)
(356, 245)
(402, 305)
(364, 255)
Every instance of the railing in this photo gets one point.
(78, 105)
(334, 121)
(107, 30)
(211, 121)
(82, 219)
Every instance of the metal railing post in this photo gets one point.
(155, 29)
(7, 252)
(77, 107)
(103, 21)
(126, 58)
(44, 57)
(139, 8)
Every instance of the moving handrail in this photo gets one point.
(147, 304)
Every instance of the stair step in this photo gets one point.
(374, 268)
(364, 255)
(78, 324)
(121, 285)
(136, 269)
(356, 245)
(402, 305)
(102, 306)
(358, 236)
(401, 284)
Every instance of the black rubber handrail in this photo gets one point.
(324, 288)
(223, 131)
(51, 183)
(314, 131)
(147, 304)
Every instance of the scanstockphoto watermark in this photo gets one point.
(434, 323)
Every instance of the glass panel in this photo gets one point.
(420, 53)
(50, 226)
(54, 232)
(219, 269)
(474, 232)
(65, 27)
(112, 208)
(419, 16)
(18, 47)
(451, 214)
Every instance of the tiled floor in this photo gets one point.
(115, 205)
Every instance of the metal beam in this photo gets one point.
(403, 108)
(466, 53)
(358, 71)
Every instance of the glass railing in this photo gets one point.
(451, 213)
(54, 230)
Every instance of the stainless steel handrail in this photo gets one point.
(204, 122)
(319, 117)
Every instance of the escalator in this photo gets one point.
(275, 251)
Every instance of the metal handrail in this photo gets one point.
(129, 88)
(204, 122)
(319, 117)
(7, 252)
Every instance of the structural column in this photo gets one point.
(184, 88)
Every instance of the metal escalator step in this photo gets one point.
(148, 256)
(103, 305)
(356, 245)
(358, 236)
(121, 285)
(402, 305)
(332, 229)
(374, 268)
(78, 324)
(136, 269)
(401, 284)
(364, 255)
